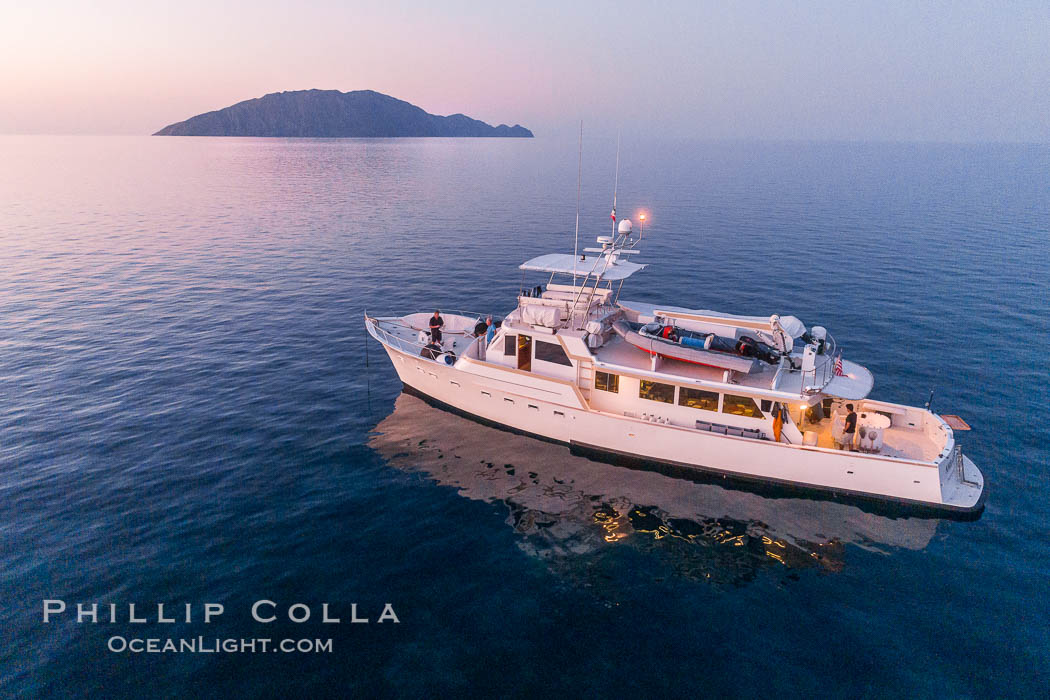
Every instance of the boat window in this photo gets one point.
(549, 352)
(525, 353)
(510, 345)
(655, 391)
(698, 398)
(741, 406)
(607, 382)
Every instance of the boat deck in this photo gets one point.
(403, 332)
(855, 383)
(898, 442)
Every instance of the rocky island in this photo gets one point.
(333, 114)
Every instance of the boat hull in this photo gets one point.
(531, 406)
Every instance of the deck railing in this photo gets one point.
(823, 370)
(387, 338)
(384, 336)
(955, 459)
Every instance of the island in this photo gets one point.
(334, 114)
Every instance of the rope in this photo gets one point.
(368, 375)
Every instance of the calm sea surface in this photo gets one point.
(189, 413)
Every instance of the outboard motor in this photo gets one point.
(768, 354)
(820, 336)
(749, 347)
(746, 347)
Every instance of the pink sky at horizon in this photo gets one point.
(793, 70)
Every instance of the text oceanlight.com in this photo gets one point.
(214, 645)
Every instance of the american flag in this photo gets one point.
(838, 366)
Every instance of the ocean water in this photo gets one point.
(190, 413)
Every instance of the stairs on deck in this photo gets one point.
(585, 378)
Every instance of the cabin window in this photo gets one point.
(510, 345)
(698, 398)
(655, 391)
(741, 406)
(550, 352)
(607, 382)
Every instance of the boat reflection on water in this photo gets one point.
(568, 507)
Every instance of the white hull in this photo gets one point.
(557, 410)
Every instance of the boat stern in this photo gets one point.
(962, 484)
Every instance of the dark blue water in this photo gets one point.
(190, 414)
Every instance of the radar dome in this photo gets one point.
(625, 227)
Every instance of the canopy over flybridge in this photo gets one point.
(566, 263)
(606, 264)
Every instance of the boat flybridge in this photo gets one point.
(753, 400)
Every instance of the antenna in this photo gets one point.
(616, 183)
(579, 179)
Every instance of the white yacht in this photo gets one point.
(759, 401)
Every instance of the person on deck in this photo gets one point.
(436, 322)
(490, 332)
(850, 427)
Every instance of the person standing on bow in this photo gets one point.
(436, 322)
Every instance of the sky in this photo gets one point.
(871, 71)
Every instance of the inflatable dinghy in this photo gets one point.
(701, 349)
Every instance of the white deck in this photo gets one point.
(899, 442)
(403, 331)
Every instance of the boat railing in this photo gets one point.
(575, 313)
(466, 314)
(376, 330)
(955, 460)
(823, 369)
(387, 338)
